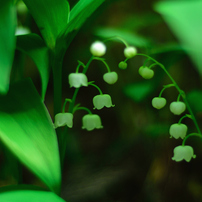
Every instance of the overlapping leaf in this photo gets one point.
(132, 38)
(25, 193)
(78, 15)
(27, 130)
(35, 47)
(184, 19)
(7, 47)
(51, 16)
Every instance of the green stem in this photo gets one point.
(63, 135)
(102, 60)
(190, 135)
(83, 108)
(64, 105)
(178, 97)
(96, 87)
(185, 116)
(71, 106)
(178, 89)
(119, 38)
(165, 87)
(152, 65)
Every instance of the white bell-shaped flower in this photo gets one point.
(91, 122)
(98, 48)
(77, 80)
(104, 100)
(62, 119)
(177, 107)
(178, 130)
(158, 102)
(110, 77)
(183, 153)
(130, 51)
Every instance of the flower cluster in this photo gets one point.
(79, 79)
(176, 130)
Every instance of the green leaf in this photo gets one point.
(35, 47)
(7, 47)
(132, 38)
(195, 100)
(139, 91)
(22, 193)
(78, 15)
(51, 16)
(184, 19)
(27, 130)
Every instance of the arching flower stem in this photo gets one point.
(185, 116)
(80, 64)
(82, 108)
(190, 135)
(64, 105)
(119, 38)
(180, 92)
(165, 87)
(91, 84)
(102, 60)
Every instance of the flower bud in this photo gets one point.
(100, 101)
(98, 48)
(130, 51)
(158, 102)
(146, 73)
(62, 119)
(122, 65)
(77, 80)
(178, 130)
(110, 77)
(91, 121)
(177, 107)
(183, 152)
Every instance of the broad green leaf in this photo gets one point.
(168, 48)
(139, 91)
(7, 47)
(83, 9)
(195, 100)
(132, 38)
(35, 47)
(27, 130)
(184, 19)
(24, 193)
(51, 16)
(78, 15)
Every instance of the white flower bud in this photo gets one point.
(158, 102)
(98, 48)
(177, 107)
(130, 51)
(110, 77)
(146, 73)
